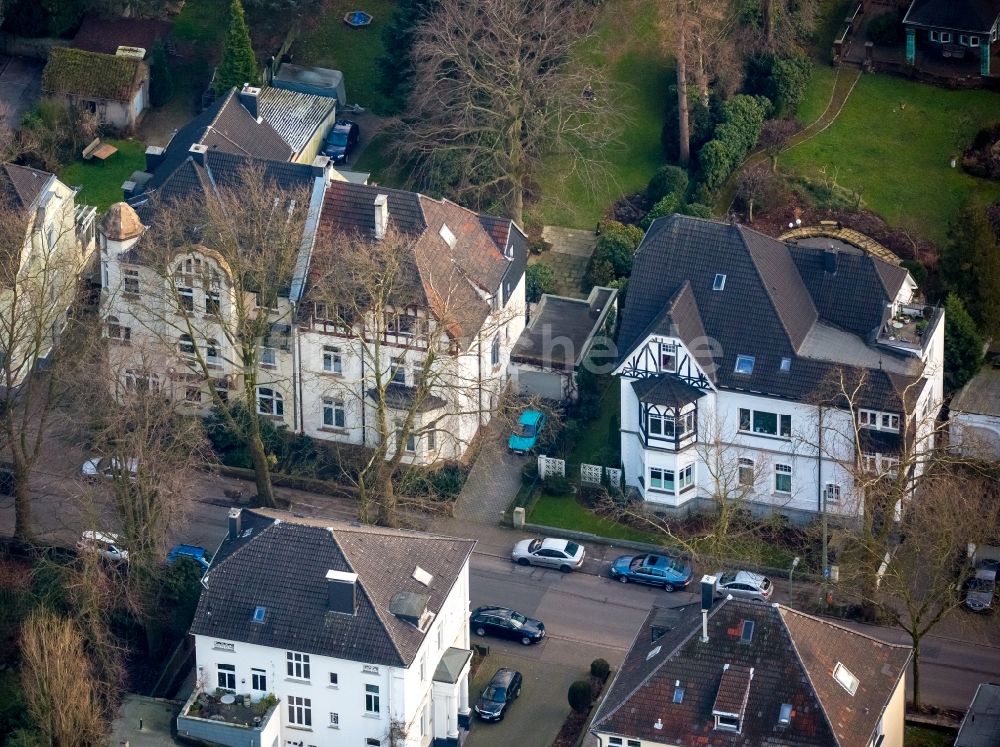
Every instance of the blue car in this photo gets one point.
(665, 571)
(195, 553)
(530, 425)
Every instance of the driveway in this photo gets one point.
(20, 87)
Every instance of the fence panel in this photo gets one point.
(590, 473)
(548, 467)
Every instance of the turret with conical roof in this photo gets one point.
(121, 223)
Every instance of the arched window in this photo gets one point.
(270, 402)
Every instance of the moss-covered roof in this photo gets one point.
(92, 75)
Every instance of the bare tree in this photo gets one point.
(57, 681)
(413, 341)
(41, 258)
(222, 266)
(497, 86)
(752, 186)
(684, 119)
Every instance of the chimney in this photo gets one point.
(340, 587)
(707, 600)
(198, 151)
(381, 216)
(250, 97)
(154, 157)
(321, 165)
(830, 260)
(235, 522)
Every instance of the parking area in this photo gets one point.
(20, 87)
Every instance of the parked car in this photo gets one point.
(105, 544)
(530, 426)
(744, 584)
(550, 553)
(506, 623)
(502, 690)
(668, 571)
(107, 467)
(193, 552)
(980, 588)
(341, 140)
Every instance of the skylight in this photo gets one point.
(447, 235)
(744, 364)
(719, 283)
(258, 614)
(785, 715)
(652, 653)
(678, 692)
(422, 576)
(786, 364)
(746, 634)
(845, 678)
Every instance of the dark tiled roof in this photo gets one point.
(959, 15)
(282, 567)
(665, 390)
(350, 208)
(561, 328)
(92, 75)
(792, 656)
(106, 35)
(772, 300)
(22, 184)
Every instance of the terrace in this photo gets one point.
(228, 719)
(908, 327)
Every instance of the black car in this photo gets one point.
(340, 141)
(506, 623)
(503, 690)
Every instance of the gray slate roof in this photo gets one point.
(22, 184)
(281, 565)
(561, 329)
(981, 724)
(666, 390)
(774, 299)
(981, 395)
(958, 15)
(295, 116)
(793, 656)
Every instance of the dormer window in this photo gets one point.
(719, 283)
(744, 364)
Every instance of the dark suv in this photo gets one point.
(341, 140)
(506, 623)
(502, 690)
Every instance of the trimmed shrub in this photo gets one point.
(612, 258)
(580, 696)
(667, 206)
(668, 180)
(791, 76)
(558, 486)
(600, 669)
(539, 278)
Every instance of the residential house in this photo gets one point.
(461, 297)
(55, 254)
(559, 339)
(361, 633)
(981, 724)
(974, 413)
(301, 119)
(773, 370)
(114, 87)
(745, 673)
(952, 30)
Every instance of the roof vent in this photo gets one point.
(198, 151)
(259, 613)
(447, 235)
(235, 522)
(719, 283)
(659, 724)
(846, 678)
(785, 716)
(411, 607)
(422, 576)
(381, 216)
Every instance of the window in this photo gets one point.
(890, 464)
(634, 743)
(400, 324)
(495, 351)
(270, 402)
(868, 419)
(782, 478)
(746, 473)
(786, 365)
(130, 282)
(185, 297)
(746, 631)
(963, 40)
(297, 665)
(372, 699)
(946, 37)
(270, 303)
(879, 464)
(890, 422)
(668, 358)
(935, 36)
(661, 479)
(431, 440)
(227, 676)
(973, 41)
(186, 345)
(765, 423)
(332, 361)
(614, 740)
(730, 723)
(411, 444)
(334, 720)
(334, 680)
(397, 373)
(744, 364)
(299, 711)
(334, 415)
(320, 312)
(660, 425)
(831, 492)
(785, 714)
(719, 283)
(141, 381)
(192, 394)
(117, 331)
(268, 357)
(258, 680)
(686, 478)
(845, 678)
(213, 357)
(212, 300)
(423, 667)
(370, 742)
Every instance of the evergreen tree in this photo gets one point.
(396, 65)
(238, 64)
(161, 84)
(963, 345)
(970, 264)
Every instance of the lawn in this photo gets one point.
(594, 445)
(564, 512)
(817, 94)
(627, 45)
(334, 44)
(893, 142)
(922, 736)
(102, 180)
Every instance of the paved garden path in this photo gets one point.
(843, 85)
(493, 481)
(568, 257)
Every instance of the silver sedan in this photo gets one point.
(564, 555)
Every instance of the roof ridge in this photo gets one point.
(218, 112)
(241, 548)
(832, 624)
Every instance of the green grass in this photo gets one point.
(817, 94)
(893, 142)
(102, 180)
(627, 46)
(593, 444)
(334, 44)
(564, 512)
(922, 736)
(202, 22)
